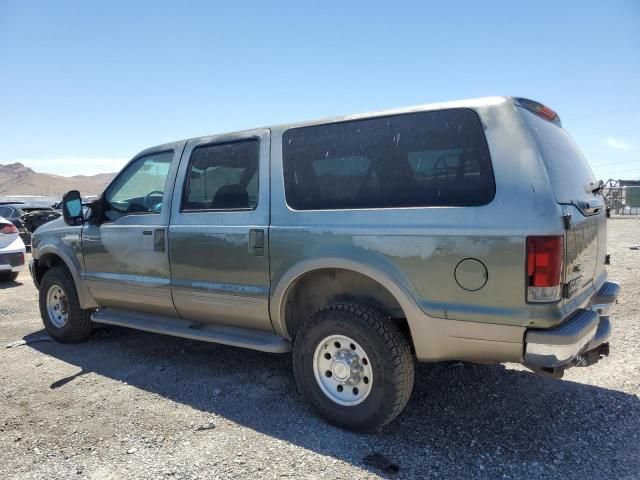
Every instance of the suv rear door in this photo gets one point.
(585, 218)
(218, 237)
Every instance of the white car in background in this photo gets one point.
(12, 251)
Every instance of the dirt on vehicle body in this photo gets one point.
(470, 230)
(189, 409)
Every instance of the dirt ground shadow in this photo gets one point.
(5, 285)
(492, 418)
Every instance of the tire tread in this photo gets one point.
(79, 325)
(395, 342)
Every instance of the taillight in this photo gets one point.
(539, 109)
(544, 268)
(8, 229)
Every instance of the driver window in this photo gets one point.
(140, 188)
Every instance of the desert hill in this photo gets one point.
(18, 179)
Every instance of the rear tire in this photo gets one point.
(354, 366)
(8, 276)
(60, 309)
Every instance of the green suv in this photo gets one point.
(470, 230)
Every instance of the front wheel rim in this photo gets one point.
(342, 370)
(57, 306)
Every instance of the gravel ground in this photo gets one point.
(129, 404)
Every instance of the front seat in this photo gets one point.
(231, 196)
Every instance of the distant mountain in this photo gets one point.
(18, 179)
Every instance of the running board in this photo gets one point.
(226, 335)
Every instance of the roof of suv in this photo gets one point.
(467, 103)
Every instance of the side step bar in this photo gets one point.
(226, 335)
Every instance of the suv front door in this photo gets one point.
(218, 237)
(126, 257)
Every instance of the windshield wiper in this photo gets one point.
(594, 187)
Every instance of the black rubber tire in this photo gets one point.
(79, 325)
(389, 355)
(8, 276)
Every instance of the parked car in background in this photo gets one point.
(470, 230)
(12, 213)
(27, 217)
(12, 251)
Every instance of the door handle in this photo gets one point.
(256, 242)
(158, 240)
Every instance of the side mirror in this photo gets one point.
(72, 208)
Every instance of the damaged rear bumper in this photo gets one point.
(603, 302)
(581, 340)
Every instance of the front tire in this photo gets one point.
(60, 309)
(354, 366)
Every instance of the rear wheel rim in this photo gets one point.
(342, 370)
(57, 306)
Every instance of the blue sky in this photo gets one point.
(85, 85)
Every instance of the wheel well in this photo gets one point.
(319, 288)
(46, 262)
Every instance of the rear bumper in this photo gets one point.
(26, 237)
(583, 332)
(12, 261)
(605, 299)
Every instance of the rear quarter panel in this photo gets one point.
(417, 249)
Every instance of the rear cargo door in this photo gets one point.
(585, 218)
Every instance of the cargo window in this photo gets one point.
(223, 177)
(432, 163)
(437, 158)
(335, 176)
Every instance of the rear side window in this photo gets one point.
(568, 170)
(223, 177)
(437, 158)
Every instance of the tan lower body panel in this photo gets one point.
(437, 339)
